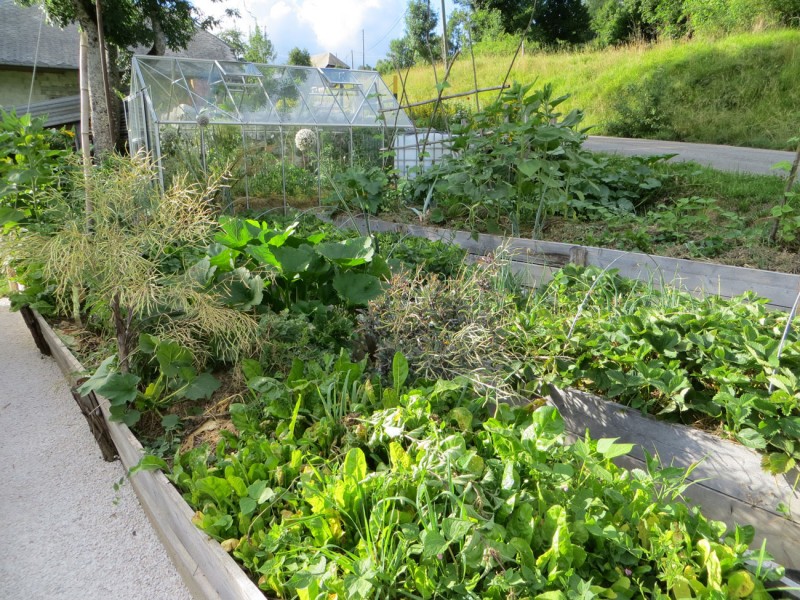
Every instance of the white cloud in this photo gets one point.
(321, 25)
(338, 24)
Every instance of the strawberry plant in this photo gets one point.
(675, 355)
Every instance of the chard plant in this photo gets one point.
(339, 487)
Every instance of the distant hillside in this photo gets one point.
(742, 90)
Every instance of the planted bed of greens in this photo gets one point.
(361, 416)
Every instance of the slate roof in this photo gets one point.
(202, 45)
(58, 48)
(19, 30)
(326, 60)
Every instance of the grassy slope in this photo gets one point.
(741, 90)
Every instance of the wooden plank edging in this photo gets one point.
(729, 483)
(206, 569)
(536, 260)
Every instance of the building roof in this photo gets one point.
(19, 32)
(202, 45)
(58, 48)
(328, 60)
(57, 112)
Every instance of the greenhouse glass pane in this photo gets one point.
(322, 100)
(206, 94)
(245, 93)
(384, 102)
(238, 69)
(158, 79)
(284, 91)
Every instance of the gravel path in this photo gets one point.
(67, 533)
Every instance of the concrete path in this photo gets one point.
(723, 158)
(67, 533)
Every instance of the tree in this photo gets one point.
(300, 58)
(515, 14)
(483, 25)
(234, 38)
(561, 21)
(401, 53)
(421, 34)
(612, 22)
(259, 47)
(788, 11)
(159, 24)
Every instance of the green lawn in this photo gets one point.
(740, 90)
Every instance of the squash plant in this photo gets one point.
(259, 265)
(175, 378)
(520, 160)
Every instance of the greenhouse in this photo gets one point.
(277, 130)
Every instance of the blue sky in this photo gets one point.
(322, 25)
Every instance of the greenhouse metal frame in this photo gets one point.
(194, 98)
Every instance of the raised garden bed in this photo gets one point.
(729, 483)
(535, 261)
(210, 573)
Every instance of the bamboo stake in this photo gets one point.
(474, 68)
(450, 97)
(85, 118)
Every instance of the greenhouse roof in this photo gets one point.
(179, 91)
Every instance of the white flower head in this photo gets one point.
(305, 140)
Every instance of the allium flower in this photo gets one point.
(203, 120)
(305, 140)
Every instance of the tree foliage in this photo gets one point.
(260, 48)
(299, 57)
(421, 22)
(620, 21)
(235, 39)
(561, 21)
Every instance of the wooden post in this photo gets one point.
(36, 331)
(444, 36)
(90, 408)
(773, 233)
(578, 256)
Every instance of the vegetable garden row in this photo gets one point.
(366, 443)
(364, 415)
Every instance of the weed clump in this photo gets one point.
(445, 328)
